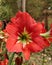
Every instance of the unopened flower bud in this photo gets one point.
(18, 60)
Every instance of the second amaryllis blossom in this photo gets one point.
(4, 60)
(24, 35)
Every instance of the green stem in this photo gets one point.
(10, 59)
(43, 58)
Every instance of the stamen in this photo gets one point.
(24, 37)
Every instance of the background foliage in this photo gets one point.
(8, 8)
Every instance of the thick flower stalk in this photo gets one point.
(24, 35)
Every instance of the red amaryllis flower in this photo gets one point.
(4, 62)
(24, 35)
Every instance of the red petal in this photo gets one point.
(11, 28)
(34, 47)
(19, 21)
(26, 53)
(38, 28)
(18, 14)
(42, 42)
(23, 19)
(2, 63)
(12, 44)
(17, 47)
(29, 23)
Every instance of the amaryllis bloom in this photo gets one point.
(24, 35)
(4, 62)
